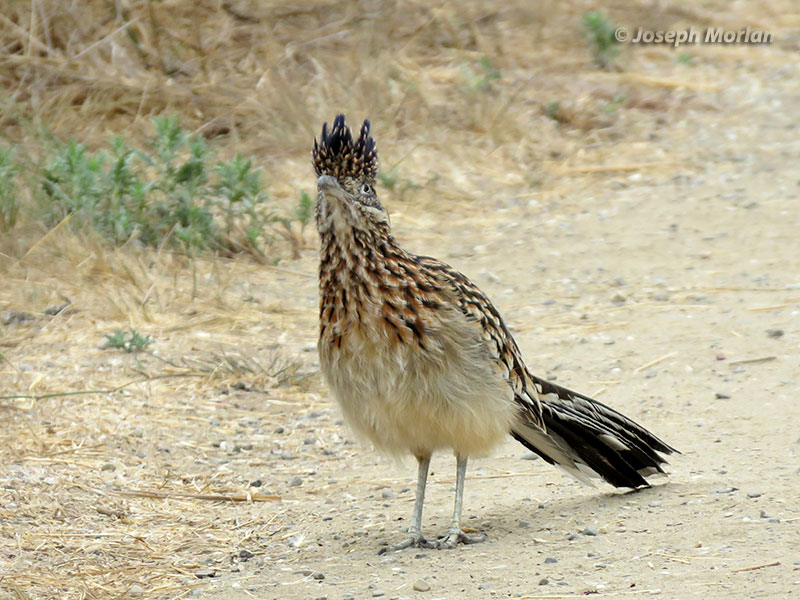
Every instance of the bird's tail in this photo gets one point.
(588, 439)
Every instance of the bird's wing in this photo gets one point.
(477, 308)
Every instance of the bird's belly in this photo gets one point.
(404, 398)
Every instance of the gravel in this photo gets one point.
(421, 585)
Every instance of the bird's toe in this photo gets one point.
(456, 537)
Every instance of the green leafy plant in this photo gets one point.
(304, 209)
(171, 190)
(132, 341)
(302, 213)
(598, 30)
(240, 194)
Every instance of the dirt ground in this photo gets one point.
(656, 266)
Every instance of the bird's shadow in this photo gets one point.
(544, 514)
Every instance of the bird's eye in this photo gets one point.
(366, 188)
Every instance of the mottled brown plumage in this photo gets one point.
(420, 360)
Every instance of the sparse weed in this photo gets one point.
(246, 372)
(480, 80)
(303, 211)
(9, 198)
(599, 33)
(132, 341)
(392, 181)
(552, 110)
(611, 106)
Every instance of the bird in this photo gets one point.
(420, 360)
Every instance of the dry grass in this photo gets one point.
(116, 469)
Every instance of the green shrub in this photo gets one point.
(172, 190)
(599, 32)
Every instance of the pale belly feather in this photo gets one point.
(407, 399)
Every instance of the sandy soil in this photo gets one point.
(670, 293)
(673, 299)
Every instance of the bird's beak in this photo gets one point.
(329, 185)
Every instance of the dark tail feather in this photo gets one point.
(588, 439)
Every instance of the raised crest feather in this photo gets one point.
(337, 154)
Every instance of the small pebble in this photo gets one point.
(295, 481)
(753, 494)
(720, 356)
(203, 573)
(775, 333)
(108, 467)
(590, 530)
(245, 554)
(727, 490)
(543, 581)
(484, 586)
(378, 593)
(318, 576)
(764, 515)
(722, 396)
(421, 585)
(387, 493)
(550, 560)
(524, 525)
(572, 536)
(135, 591)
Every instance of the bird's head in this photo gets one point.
(346, 170)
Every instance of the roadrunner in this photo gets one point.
(420, 360)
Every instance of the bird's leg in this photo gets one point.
(454, 534)
(415, 538)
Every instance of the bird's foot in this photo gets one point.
(455, 537)
(415, 539)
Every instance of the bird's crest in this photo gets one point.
(337, 155)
